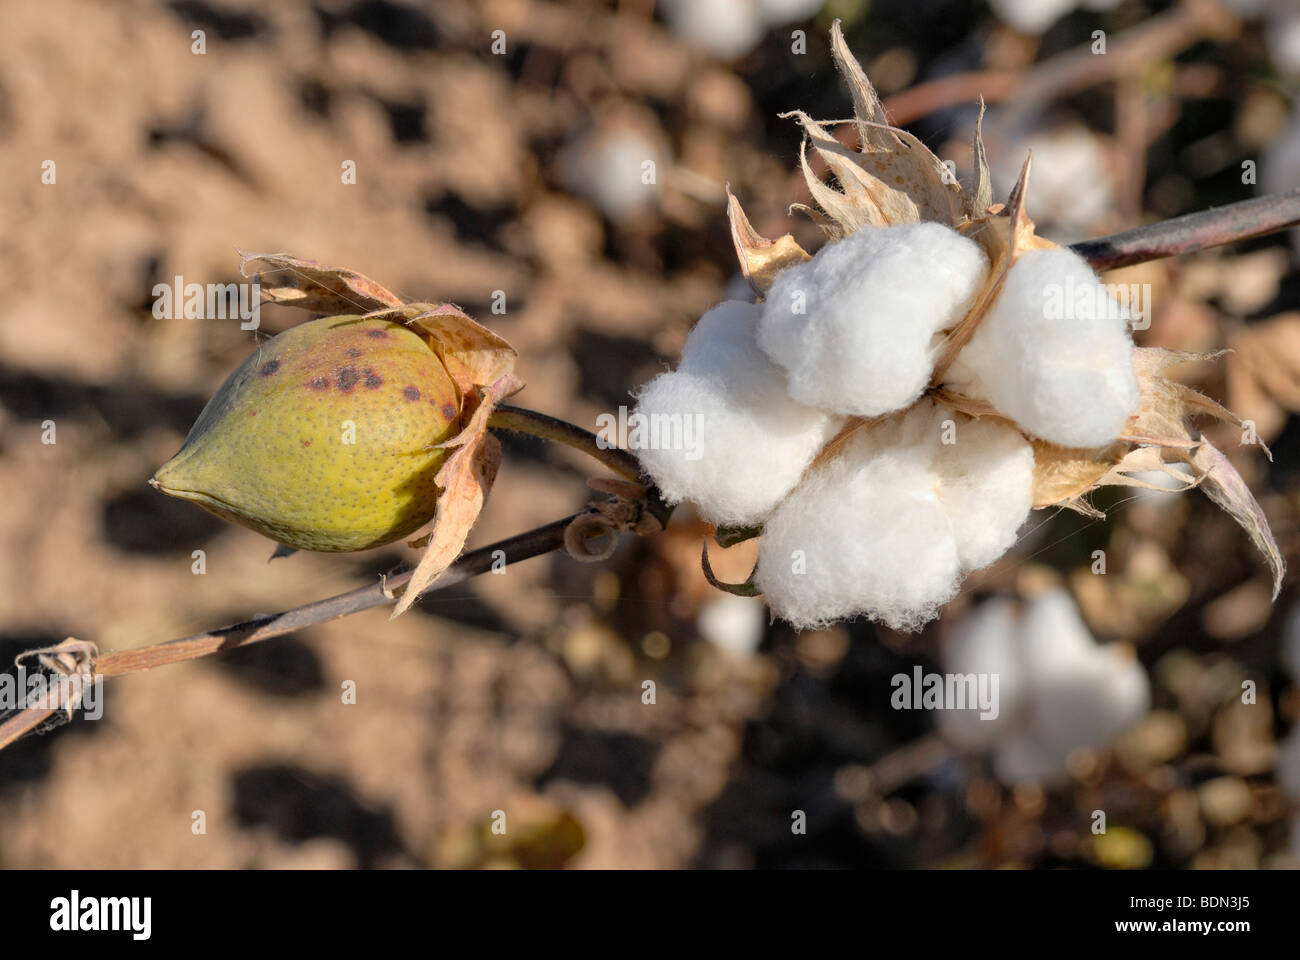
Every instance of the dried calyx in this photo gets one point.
(896, 404)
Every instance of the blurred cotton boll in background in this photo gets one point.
(610, 166)
(1035, 16)
(734, 624)
(727, 29)
(1072, 180)
(1058, 690)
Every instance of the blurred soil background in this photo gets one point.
(521, 173)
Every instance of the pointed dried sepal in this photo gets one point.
(313, 286)
(760, 259)
(1166, 405)
(979, 200)
(873, 130)
(892, 178)
(464, 481)
(1224, 485)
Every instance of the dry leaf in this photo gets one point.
(1062, 475)
(1224, 485)
(316, 287)
(472, 354)
(464, 479)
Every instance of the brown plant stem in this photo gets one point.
(520, 547)
(520, 420)
(1193, 232)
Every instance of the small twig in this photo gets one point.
(1193, 232)
(510, 550)
(1067, 73)
(520, 420)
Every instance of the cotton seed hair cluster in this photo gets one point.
(893, 407)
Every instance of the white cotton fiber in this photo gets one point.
(889, 526)
(986, 642)
(856, 327)
(1054, 353)
(986, 485)
(721, 430)
(731, 623)
(865, 533)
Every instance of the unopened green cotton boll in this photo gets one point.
(324, 438)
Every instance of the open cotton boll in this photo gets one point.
(1054, 353)
(865, 533)
(983, 472)
(856, 327)
(986, 642)
(721, 431)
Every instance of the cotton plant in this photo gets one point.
(892, 408)
(1058, 689)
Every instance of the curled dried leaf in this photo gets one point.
(472, 354)
(313, 286)
(1224, 485)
